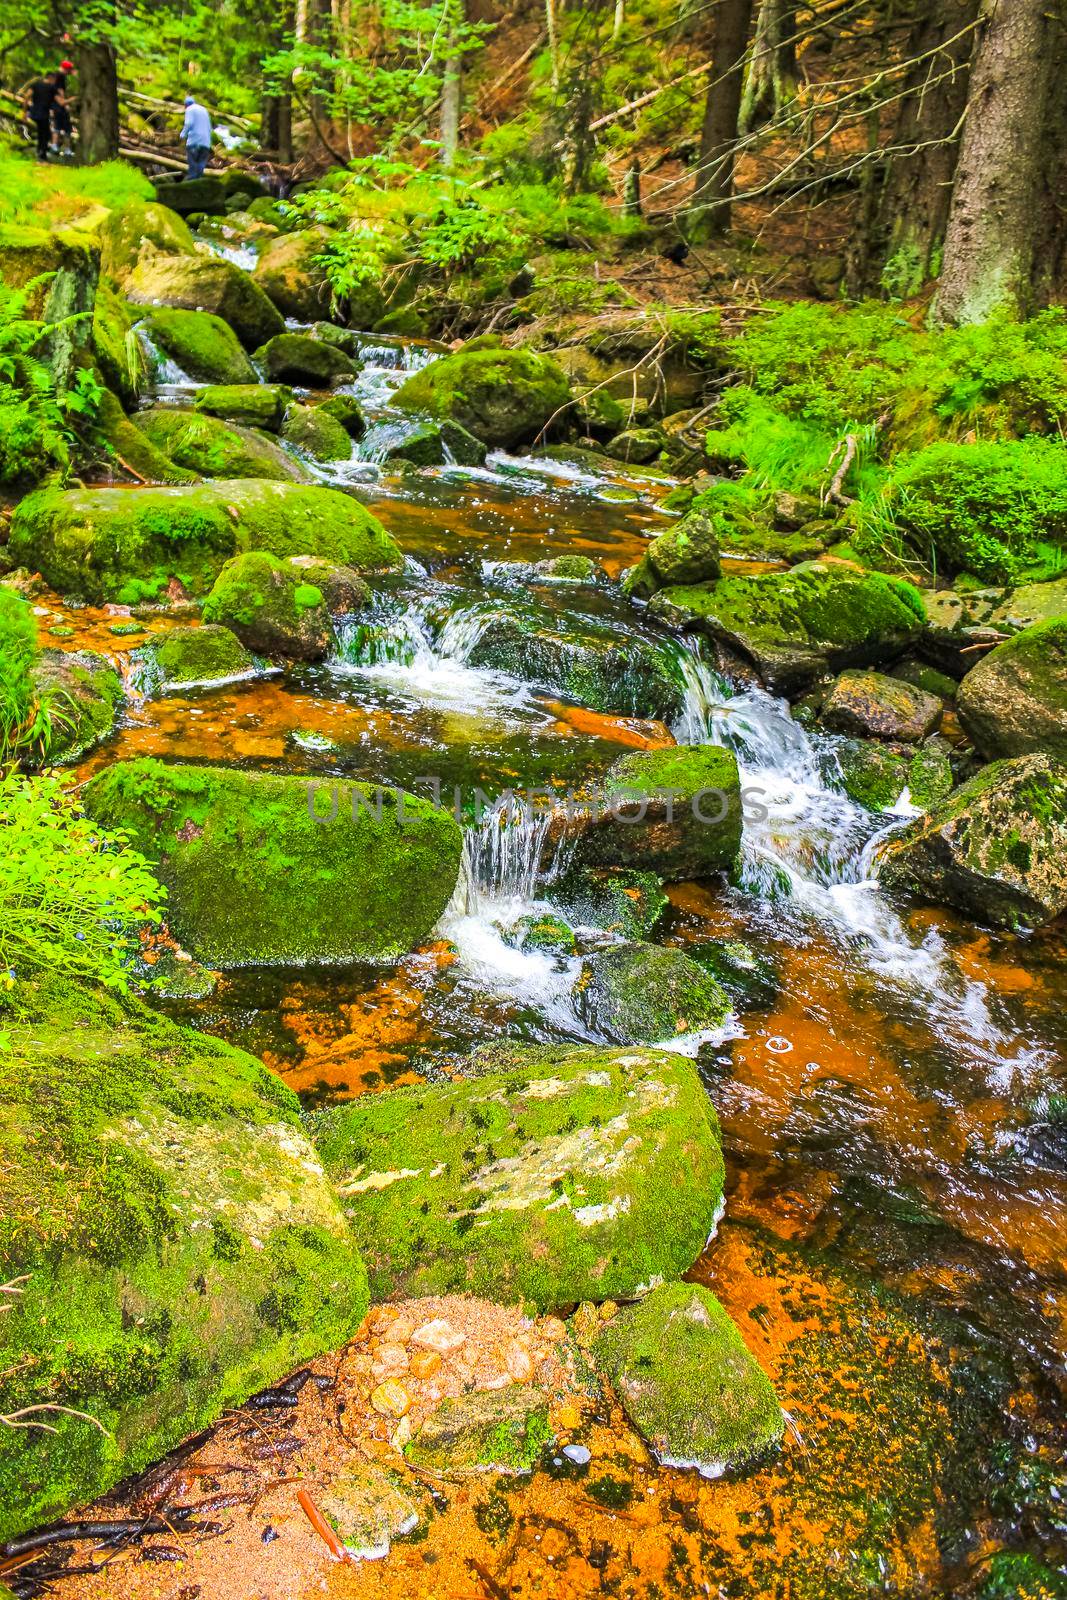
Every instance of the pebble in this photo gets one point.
(391, 1360)
(553, 1330)
(520, 1364)
(578, 1453)
(401, 1434)
(424, 1363)
(438, 1335)
(381, 1320)
(391, 1399)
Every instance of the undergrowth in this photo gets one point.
(54, 196)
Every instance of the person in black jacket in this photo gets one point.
(61, 111)
(40, 99)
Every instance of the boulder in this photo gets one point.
(626, 902)
(137, 229)
(688, 1383)
(557, 1174)
(687, 553)
(206, 283)
(260, 869)
(256, 405)
(503, 397)
(189, 195)
(871, 705)
(115, 348)
(176, 1244)
(490, 1430)
(294, 358)
(796, 626)
(645, 994)
(59, 271)
(84, 694)
(317, 433)
(369, 1505)
(431, 444)
(277, 608)
(217, 449)
(204, 346)
(193, 658)
(675, 812)
(127, 545)
(637, 444)
(346, 410)
(877, 775)
(995, 849)
(288, 272)
(130, 447)
(1014, 701)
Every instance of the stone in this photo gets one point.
(346, 410)
(260, 870)
(503, 397)
(870, 705)
(179, 1246)
(189, 195)
(193, 658)
(84, 694)
(206, 283)
(439, 1335)
(118, 354)
(542, 931)
(290, 274)
(645, 994)
(256, 405)
(138, 228)
(1014, 701)
(276, 607)
(688, 552)
(203, 345)
(877, 775)
(391, 1399)
(215, 449)
(316, 433)
(369, 1505)
(688, 1383)
(995, 849)
(430, 444)
(58, 270)
(555, 1174)
(133, 451)
(504, 1431)
(637, 444)
(294, 358)
(626, 902)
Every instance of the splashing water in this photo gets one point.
(166, 374)
(403, 649)
(244, 256)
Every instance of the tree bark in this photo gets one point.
(709, 208)
(772, 75)
(452, 86)
(989, 263)
(98, 92)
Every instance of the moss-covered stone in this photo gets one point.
(878, 775)
(748, 975)
(128, 544)
(370, 1504)
(294, 358)
(645, 994)
(559, 1174)
(503, 397)
(179, 1246)
(137, 229)
(115, 347)
(59, 270)
(346, 410)
(289, 273)
(259, 870)
(491, 1430)
(687, 553)
(203, 345)
(131, 449)
(217, 449)
(207, 283)
(996, 848)
(317, 433)
(569, 569)
(274, 607)
(543, 931)
(255, 405)
(640, 445)
(916, 671)
(431, 444)
(795, 626)
(187, 196)
(872, 705)
(84, 695)
(1015, 700)
(688, 1382)
(192, 657)
(626, 902)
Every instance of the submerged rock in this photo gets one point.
(206, 283)
(217, 449)
(869, 704)
(688, 1382)
(317, 433)
(83, 693)
(203, 345)
(128, 545)
(1014, 701)
(625, 902)
(179, 1245)
(257, 405)
(646, 993)
(501, 1430)
(369, 1505)
(996, 849)
(260, 869)
(187, 658)
(283, 608)
(289, 272)
(294, 358)
(558, 1174)
(431, 444)
(503, 397)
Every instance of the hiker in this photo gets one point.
(40, 99)
(61, 122)
(196, 131)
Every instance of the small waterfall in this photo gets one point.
(502, 855)
(166, 374)
(244, 256)
(407, 649)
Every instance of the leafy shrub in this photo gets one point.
(34, 437)
(71, 898)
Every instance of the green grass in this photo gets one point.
(58, 195)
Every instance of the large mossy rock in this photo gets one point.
(688, 1382)
(207, 283)
(193, 658)
(256, 405)
(1015, 700)
(503, 397)
(289, 273)
(625, 902)
(179, 1244)
(283, 608)
(130, 447)
(316, 433)
(796, 626)
(876, 775)
(872, 705)
(686, 553)
(674, 812)
(558, 1174)
(127, 545)
(260, 871)
(191, 195)
(995, 849)
(59, 271)
(203, 345)
(431, 444)
(84, 694)
(217, 449)
(294, 358)
(137, 229)
(646, 994)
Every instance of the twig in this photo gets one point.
(321, 1526)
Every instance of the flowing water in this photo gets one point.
(891, 1086)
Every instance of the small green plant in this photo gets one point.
(34, 432)
(29, 720)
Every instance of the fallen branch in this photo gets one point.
(321, 1526)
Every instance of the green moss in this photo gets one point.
(217, 449)
(126, 232)
(257, 405)
(115, 347)
(206, 284)
(675, 812)
(187, 656)
(317, 433)
(133, 448)
(85, 694)
(503, 397)
(204, 346)
(270, 608)
(625, 902)
(645, 993)
(294, 358)
(545, 932)
(503, 1431)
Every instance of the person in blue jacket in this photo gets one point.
(197, 134)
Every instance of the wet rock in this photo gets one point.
(556, 1174)
(569, 569)
(876, 775)
(871, 705)
(796, 626)
(206, 283)
(370, 1505)
(294, 358)
(675, 812)
(430, 444)
(256, 405)
(543, 932)
(503, 1430)
(283, 608)
(176, 1240)
(186, 197)
(215, 449)
(688, 1383)
(794, 511)
(136, 229)
(187, 658)
(637, 444)
(176, 976)
(58, 272)
(346, 410)
(289, 273)
(111, 343)
(627, 903)
(503, 397)
(687, 553)
(317, 433)
(747, 975)
(254, 878)
(996, 849)
(202, 345)
(132, 449)
(646, 993)
(1014, 701)
(916, 671)
(84, 695)
(127, 545)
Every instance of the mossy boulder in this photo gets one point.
(543, 930)
(217, 449)
(317, 433)
(139, 228)
(260, 870)
(346, 410)
(178, 1243)
(294, 358)
(688, 1383)
(207, 283)
(59, 270)
(203, 345)
(85, 695)
(503, 397)
(872, 705)
(431, 444)
(646, 994)
(370, 1504)
(490, 1430)
(878, 775)
(131, 449)
(626, 902)
(193, 658)
(128, 545)
(557, 1174)
(1015, 700)
(256, 405)
(675, 812)
(640, 445)
(796, 626)
(289, 273)
(190, 195)
(995, 849)
(114, 345)
(283, 608)
(687, 553)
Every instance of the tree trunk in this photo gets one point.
(709, 209)
(98, 91)
(772, 76)
(452, 86)
(312, 27)
(989, 263)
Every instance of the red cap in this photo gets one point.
(66, 66)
